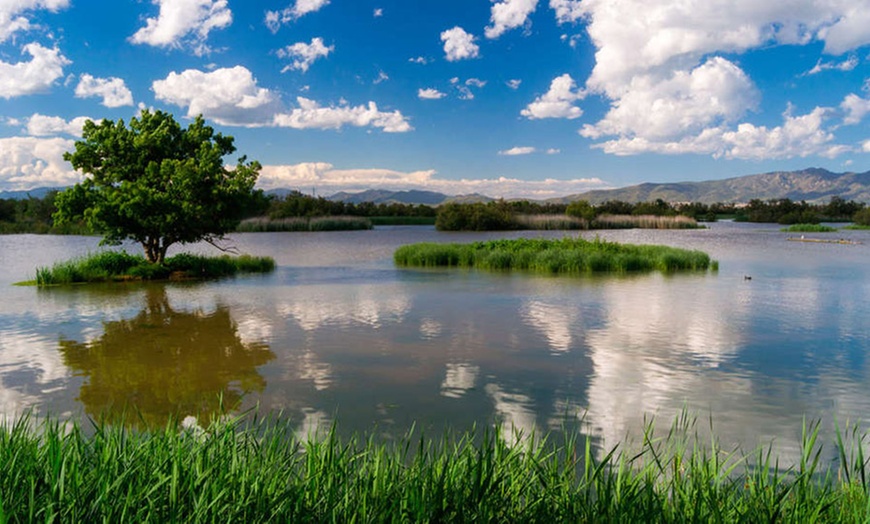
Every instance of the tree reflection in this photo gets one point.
(163, 363)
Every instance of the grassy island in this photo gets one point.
(117, 266)
(261, 472)
(568, 256)
(809, 228)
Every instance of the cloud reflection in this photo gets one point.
(459, 379)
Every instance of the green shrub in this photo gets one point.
(809, 228)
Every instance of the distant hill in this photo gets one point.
(38, 192)
(383, 196)
(814, 185)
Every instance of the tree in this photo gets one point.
(156, 183)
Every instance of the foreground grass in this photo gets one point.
(568, 255)
(809, 228)
(110, 266)
(258, 471)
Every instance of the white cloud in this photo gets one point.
(42, 125)
(475, 82)
(274, 19)
(229, 96)
(846, 65)
(328, 180)
(311, 115)
(28, 162)
(516, 151)
(567, 11)
(855, 108)
(35, 76)
(866, 146)
(418, 60)
(685, 103)
(113, 91)
(459, 45)
(378, 12)
(798, 136)
(514, 83)
(184, 23)
(304, 55)
(430, 93)
(553, 151)
(11, 19)
(382, 77)
(558, 102)
(509, 14)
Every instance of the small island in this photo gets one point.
(572, 256)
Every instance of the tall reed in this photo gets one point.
(257, 470)
(645, 222)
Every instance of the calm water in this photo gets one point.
(337, 332)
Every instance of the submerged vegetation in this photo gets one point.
(568, 255)
(109, 266)
(259, 471)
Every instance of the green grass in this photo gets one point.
(108, 266)
(809, 228)
(550, 222)
(857, 227)
(568, 256)
(256, 470)
(295, 224)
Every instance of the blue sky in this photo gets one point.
(513, 98)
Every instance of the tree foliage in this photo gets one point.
(156, 183)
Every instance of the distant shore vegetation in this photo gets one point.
(294, 211)
(120, 266)
(572, 256)
(261, 471)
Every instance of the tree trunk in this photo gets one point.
(155, 249)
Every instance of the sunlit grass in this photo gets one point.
(107, 266)
(258, 470)
(645, 222)
(568, 255)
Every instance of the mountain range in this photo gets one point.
(814, 185)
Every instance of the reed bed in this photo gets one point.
(244, 470)
(565, 256)
(109, 266)
(296, 224)
(550, 222)
(809, 228)
(645, 222)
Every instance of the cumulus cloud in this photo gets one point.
(514, 83)
(798, 136)
(311, 115)
(567, 11)
(42, 125)
(558, 102)
(430, 93)
(296, 10)
(28, 162)
(516, 151)
(113, 91)
(686, 102)
(13, 14)
(229, 96)
(304, 55)
(184, 23)
(459, 45)
(509, 14)
(327, 179)
(36, 76)
(855, 108)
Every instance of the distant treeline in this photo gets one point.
(34, 215)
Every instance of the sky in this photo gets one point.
(507, 98)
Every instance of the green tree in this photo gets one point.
(156, 183)
(862, 217)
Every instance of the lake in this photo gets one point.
(337, 333)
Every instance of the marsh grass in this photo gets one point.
(857, 227)
(403, 221)
(567, 256)
(296, 224)
(645, 222)
(550, 222)
(809, 228)
(252, 469)
(109, 266)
